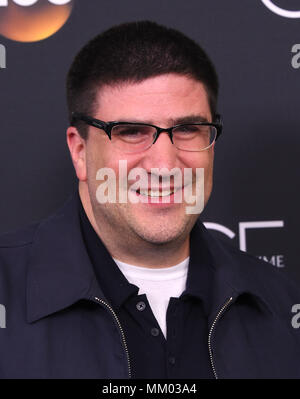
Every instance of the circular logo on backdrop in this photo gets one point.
(281, 11)
(33, 20)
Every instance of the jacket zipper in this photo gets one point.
(121, 330)
(210, 334)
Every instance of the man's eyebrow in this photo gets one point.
(188, 119)
(175, 121)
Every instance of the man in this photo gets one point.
(135, 286)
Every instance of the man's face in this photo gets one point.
(160, 101)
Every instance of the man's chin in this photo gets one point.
(159, 234)
(158, 240)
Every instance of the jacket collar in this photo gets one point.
(60, 271)
(235, 274)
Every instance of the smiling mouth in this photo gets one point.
(157, 193)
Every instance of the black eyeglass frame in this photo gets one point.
(108, 126)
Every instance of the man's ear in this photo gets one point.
(77, 148)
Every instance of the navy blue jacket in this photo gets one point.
(59, 324)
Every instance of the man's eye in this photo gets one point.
(187, 129)
(129, 132)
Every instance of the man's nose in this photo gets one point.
(162, 154)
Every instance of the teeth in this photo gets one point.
(156, 193)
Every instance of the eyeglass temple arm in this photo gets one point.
(89, 120)
(219, 122)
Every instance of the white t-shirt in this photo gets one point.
(158, 285)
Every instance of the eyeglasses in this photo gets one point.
(130, 137)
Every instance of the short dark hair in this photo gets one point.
(131, 53)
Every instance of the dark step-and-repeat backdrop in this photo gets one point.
(255, 45)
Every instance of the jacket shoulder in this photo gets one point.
(263, 273)
(252, 261)
(25, 236)
(247, 257)
(19, 237)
